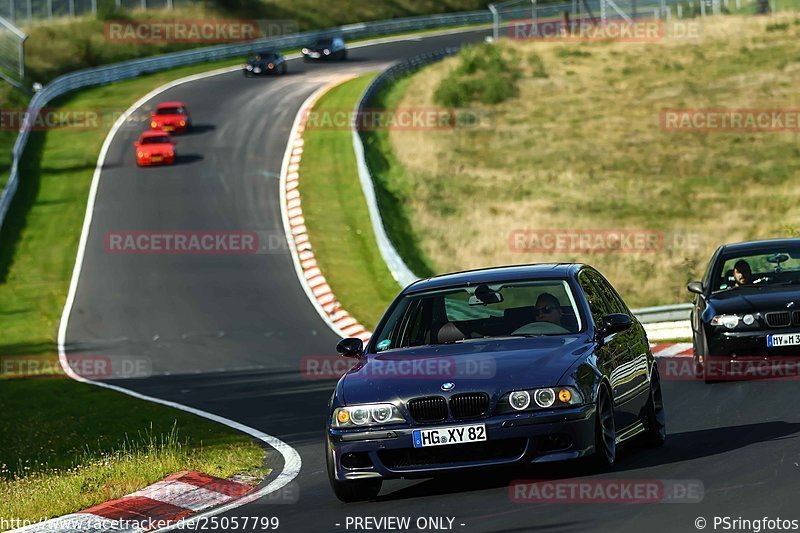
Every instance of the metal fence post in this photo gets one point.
(29, 12)
(702, 8)
(144, 5)
(71, 8)
(12, 11)
(495, 21)
(94, 7)
(49, 9)
(22, 57)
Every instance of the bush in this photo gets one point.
(486, 73)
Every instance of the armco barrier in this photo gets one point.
(136, 67)
(397, 266)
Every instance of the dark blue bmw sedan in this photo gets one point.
(520, 364)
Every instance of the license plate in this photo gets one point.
(156, 159)
(169, 128)
(314, 54)
(453, 435)
(785, 339)
(257, 70)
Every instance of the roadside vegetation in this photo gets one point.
(64, 444)
(581, 147)
(335, 212)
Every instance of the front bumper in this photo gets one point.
(148, 162)
(534, 437)
(746, 355)
(732, 345)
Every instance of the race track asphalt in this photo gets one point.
(226, 334)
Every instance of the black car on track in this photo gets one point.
(267, 62)
(747, 309)
(511, 365)
(325, 48)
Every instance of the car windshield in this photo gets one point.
(461, 314)
(266, 56)
(156, 140)
(171, 111)
(323, 43)
(757, 269)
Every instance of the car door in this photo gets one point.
(633, 359)
(609, 351)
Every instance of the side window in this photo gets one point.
(597, 305)
(613, 299)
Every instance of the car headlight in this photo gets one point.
(154, 124)
(374, 414)
(728, 321)
(326, 52)
(305, 50)
(140, 154)
(249, 67)
(543, 398)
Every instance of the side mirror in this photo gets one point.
(616, 322)
(152, 113)
(695, 287)
(350, 347)
(136, 144)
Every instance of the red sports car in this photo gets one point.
(171, 117)
(155, 148)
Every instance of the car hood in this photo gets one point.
(494, 367)
(155, 148)
(752, 300)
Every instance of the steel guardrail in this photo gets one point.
(137, 67)
(398, 268)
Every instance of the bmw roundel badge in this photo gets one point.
(448, 386)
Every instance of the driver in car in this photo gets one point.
(742, 273)
(548, 309)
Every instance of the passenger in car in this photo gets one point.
(548, 309)
(742, 273)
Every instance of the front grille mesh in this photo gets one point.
(429, 409)
(469, 405)
(778, 319)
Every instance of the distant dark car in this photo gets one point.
(747, 307)
(269, 62)
(325, 48)
(512, 365)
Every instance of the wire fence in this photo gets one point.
(12, 52)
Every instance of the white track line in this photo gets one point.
(292, 460)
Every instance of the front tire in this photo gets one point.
(351, 490)
(656, 432)
(605, 431)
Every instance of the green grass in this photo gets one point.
(582, 149)
(54, 423)
(335, 213)
(65, 447)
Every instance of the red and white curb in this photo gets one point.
(311, 277)
(164, 503)
(679, 349)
